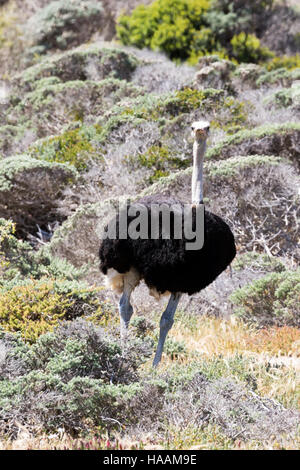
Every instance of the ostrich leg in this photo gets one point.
(125, 307)
(126, 311)
(166, 322)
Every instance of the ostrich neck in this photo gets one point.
(197, 178)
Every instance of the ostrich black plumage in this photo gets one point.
(165, 265)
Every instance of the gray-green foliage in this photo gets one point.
(258, 262)
(286, 97)
(83, 96)
(62, 89)
(62, 24)
(30, 190)
(188, 28)
(269, 139)
(76, 378)
(280, 76)
(22, 261)
(81, 63)
(75, 374)
(271, 300)
(15, 169)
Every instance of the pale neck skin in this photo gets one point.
(199, 148)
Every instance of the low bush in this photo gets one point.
(19, 260)
(27, 208)
(286, 97)
(167, 25)
(158, 159)
(287, 62)
(62, 24)
(247, 48)
(223, 110)
(189, 29)
(271, 300)
(280, 76)
(35, 307)
(75, 378)
(73, 147)
(258, 262)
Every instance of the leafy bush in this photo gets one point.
(35, 307)
(258, 262)
(169, 105)
(6, 234)
(73, 146)
(270, 139)
(286, 97)
(74, 377)
(271, 300)
(229, 17)
(19, 260)
(287, 62)
(81, 63)
(62, 24)
(158, 159)
(247, 48)
(281, 76)
(167, 25)
(190, 29)
(18, 176)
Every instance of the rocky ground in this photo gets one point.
(85, 122)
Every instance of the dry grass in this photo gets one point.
(269, 357)
(215, 336)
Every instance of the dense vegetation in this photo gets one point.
(191, 28)
(87, 122)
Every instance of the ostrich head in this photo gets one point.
(200, 130)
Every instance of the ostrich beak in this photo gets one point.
(200, 130)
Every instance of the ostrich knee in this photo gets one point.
(126, 311)
(130, 281)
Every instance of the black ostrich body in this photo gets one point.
(166, 265)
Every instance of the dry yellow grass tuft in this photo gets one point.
(215, 336)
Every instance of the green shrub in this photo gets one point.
(7, 229)
(162, 107)
(77, 18)
(30, 190)
(167, 25)
(259, 133)
(73, 378)
(271, 300)
(247, 48)
(157, 158)
(287, 62)
(203, 42)
(19, 260)
(232, 115)
(286, 97)
(230, 17)
(189, 29)
(280, 76)
(73, 146)
(226, 111)
(258, 262)
(35, 307)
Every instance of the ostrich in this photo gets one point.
(165, 265)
